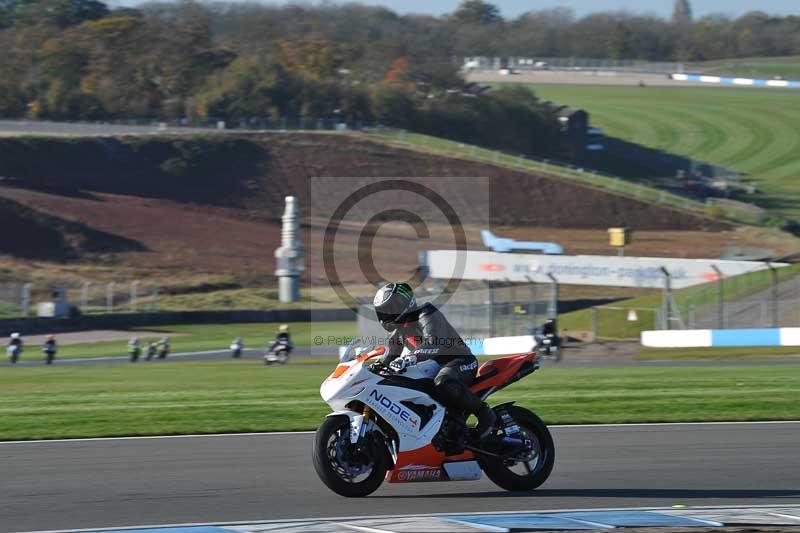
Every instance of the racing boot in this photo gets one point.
(486, 421)
(456, 395)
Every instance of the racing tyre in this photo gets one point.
(531, 469)
(347, 471)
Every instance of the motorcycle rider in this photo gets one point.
(134, 345)
(49, 348)
(425, 331)
(282, 337)
(152, 348)
(237, 346)
(15, 340)
(163, 348)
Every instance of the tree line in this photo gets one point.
(80, 59)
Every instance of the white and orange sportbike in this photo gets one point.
(386, 425)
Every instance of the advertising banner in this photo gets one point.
(581, 269)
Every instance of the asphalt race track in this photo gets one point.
(150, 481)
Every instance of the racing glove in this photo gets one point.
(401, 363)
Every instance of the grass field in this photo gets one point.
(756, 132)
(719, 354)
(232, 396)
(787, 68)
(200, 337)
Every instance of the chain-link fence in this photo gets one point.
(481, 310)
(764, 304)
(764, 299)
(19, 299)
(183, 125)
(572, 63)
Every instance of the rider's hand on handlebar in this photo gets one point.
(401, 363)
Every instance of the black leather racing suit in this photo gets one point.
(281, 338)
(428, 335)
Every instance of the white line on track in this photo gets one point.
(382, 517)
(279, 433)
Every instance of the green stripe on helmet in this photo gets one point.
(404, 290)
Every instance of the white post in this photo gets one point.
(134, 291)
(85, 295)
(110, 297)
(154, 302)
(25, 304)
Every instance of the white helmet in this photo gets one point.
(15, 335)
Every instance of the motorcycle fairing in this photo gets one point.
(501, 372)
(415, 459)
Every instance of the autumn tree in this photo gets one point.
(317, 58)
(477, 12)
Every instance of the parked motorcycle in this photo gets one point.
(237, 346)
(386, 426)
(278, 353)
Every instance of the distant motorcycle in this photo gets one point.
(49, 353)
(151, 350)
(279, 352)
(163, 349)
(13, 352)
(548, 343)
(134, 351)
(237, 346)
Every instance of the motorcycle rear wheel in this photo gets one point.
(334, 431)
(522, 475)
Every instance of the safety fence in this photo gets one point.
(571, 63)
(479, 310)
(70, 298)
(764, 299)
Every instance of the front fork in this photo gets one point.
(361, 424)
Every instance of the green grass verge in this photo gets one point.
(787, 68)
(754, 131)
(232, 396)
(613, 323)
(201, 337)
(719, 354)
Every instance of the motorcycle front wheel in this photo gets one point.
(530, 469)
(348, 470)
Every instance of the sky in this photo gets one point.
(512, 8)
